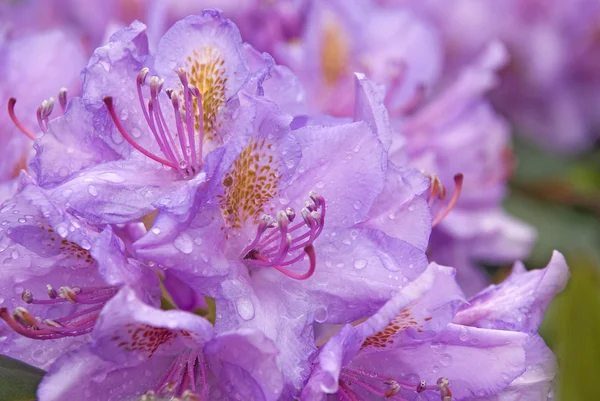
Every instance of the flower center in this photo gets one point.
(74, 324)
(352, 382)
(249, 185)
(182, 151)
(279, 243)
(437, 196)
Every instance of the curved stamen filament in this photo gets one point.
(108, 101)
(179, 154)
(11, 112)
(458, 182)
(74, 324)
(285, 245)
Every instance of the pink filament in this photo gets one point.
(108, 101)
(15, 120)
(458, 182)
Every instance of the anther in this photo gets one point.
(394, 387)
(291, 214)
(62, 99)
(444, 386)
(148, 396)
(70, 294)
(141, 78)
(52, 294)
(43, 112)
(27, 296)
(23, 316)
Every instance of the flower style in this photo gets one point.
(58, 273)
(410, 348)
(139, 352)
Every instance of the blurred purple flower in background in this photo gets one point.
(255, 203)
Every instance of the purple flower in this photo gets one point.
(260, 239)
(460, 121)
(519, 304)
(58, 272)
(340, 38)
(550, 87)
(136, 137)
(469, 225)
(520, 301)
(410, 348)
(137, 351)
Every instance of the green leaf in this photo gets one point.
(18, 381)
(572, 328)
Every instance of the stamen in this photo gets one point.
(458, 182)
(286, 244)
(108, 101)
(43, 112)
(75, 324)
(62, 99)
(372, 383)
(182, 156)
(180, 380)
(11, 112)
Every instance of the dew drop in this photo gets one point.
(360, 264)
(184, 243)
(15, 254)
(411, 208)
(93, 190)
(155, 230)
(62, 231)
(357, 205)
(245, 308)
(22, 221)
(321, 314)
(463, 334)
(446, 360)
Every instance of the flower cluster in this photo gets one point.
(197, 220)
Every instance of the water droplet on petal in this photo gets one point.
(360, 264)
(184, 243)
(62, 231)
(463, 335)
(155, 230)
(321, 314)
(446, 360)
(93, 190)
(357, 205)
(245, 308)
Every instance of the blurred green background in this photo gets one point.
(560, 196)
